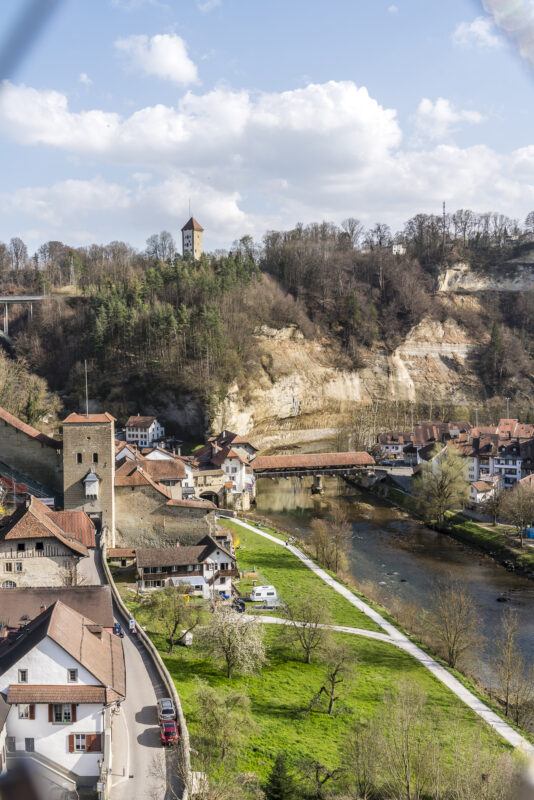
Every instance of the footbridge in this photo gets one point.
(300, 465)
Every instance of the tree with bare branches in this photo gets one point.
(454, 621)
(518, 508)
(307, 617)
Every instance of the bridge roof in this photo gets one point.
(312, 461)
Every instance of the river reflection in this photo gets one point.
(402, 556)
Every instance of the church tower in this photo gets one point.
(192, 239)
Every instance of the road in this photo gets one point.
(400, 640)
(139, 768)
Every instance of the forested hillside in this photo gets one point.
(154, 325)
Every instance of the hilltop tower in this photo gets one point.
(192, 238)
(89, 468)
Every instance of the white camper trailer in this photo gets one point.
(264, 594)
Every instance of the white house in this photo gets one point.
(207, 567)
(144, 431)
(60, 675)
(481, 491)
(160, 454)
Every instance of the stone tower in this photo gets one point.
(192, 238)
(89, 468)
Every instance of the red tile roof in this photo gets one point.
(28, 430)
(121, 552)
(88, 418)
(311, 460)
(192, 225)
(483, 486)
(191, 503)
(140, 422)
(76, 524)
(34, 521)
(56, 694)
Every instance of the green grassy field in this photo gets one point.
(279, 567)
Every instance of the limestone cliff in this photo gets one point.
(299, 396)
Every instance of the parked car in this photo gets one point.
(166, 709)
(169, 732)
(239, 605)
(117, 630)
(132, 626)
(260, 594)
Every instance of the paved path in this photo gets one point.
(397, 638)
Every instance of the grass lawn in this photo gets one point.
(279, 567)
(281, 693)
(491, 540)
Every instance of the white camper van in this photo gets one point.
(264, 594)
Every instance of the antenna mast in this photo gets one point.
(86, 392)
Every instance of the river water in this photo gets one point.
(405, 559)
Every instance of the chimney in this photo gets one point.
(214, 448)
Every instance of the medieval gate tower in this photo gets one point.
(89, 468)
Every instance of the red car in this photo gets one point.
(169, 731)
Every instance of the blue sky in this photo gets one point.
(264, 113)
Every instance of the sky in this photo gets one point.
(258, 114)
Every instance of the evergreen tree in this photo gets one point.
(280, 783)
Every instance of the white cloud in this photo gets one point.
(85, 79)
(250, 162)
(164, 56)
(439, 120)
(478, 33)
(393, 9)
(207, 5)
(517, 21)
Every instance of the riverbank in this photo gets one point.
(491, 541)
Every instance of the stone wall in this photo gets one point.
(39, 461)
(142, 519)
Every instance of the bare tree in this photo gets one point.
(18, 253)
(455, 621)
(494, 503)
(518, 508)
(442, 483)
(318, 775)
(337, 669)
(361, 757)
(308, 617)
(354, 230)
(236, 639)
(177, 615)
(408, 743)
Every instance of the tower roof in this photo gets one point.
(78, 418)
(192, 225)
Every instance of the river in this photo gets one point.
(404, 558)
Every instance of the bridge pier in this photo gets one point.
(317, 485)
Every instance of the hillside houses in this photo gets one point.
(501, 454)
(207, 567)
(225, 459)
(144, 431)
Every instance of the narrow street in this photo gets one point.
(140, 765)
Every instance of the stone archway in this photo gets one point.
(212, 496)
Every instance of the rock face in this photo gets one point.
(516, 275)
(300, 396)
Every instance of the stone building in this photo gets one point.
(192, 238)
(89, 468)
(30, 452)
(35, 551)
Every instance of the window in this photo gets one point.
(23, 676)
(24, 711)
(72, 675)
(21, 547)
(8, 566)
(9, 585)
(62, 713)
(11, 744)
(18, 566)
(29, 745)
(78, 458)
(95, 458)
(39, 546)
(79, 742)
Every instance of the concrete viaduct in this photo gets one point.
(17, 299)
